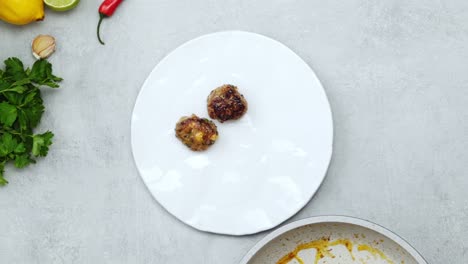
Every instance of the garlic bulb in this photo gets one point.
(43, 46)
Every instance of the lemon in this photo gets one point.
(61, 5)
(20, 12)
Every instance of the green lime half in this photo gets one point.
(61, 5)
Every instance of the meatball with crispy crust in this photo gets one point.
(226, 103)
(196, 133)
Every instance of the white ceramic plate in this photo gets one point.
(264, 167)
(368, 243)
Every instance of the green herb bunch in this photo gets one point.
(21, 109)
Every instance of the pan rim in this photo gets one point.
(333, 219)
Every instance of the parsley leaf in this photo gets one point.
(41, 143)
(41, 73)
(17, 89)
(20, 148)
(2, 170)
(14, 69)
(7, 144)
(8, 113)
(21, 109)
(22, 161)
(34, 110)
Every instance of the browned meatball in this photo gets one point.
(196, 133)
(226, 103)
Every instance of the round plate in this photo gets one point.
(264, 167)
(346, 237)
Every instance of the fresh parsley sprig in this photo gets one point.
(21, 109)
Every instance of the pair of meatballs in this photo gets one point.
(224, 103)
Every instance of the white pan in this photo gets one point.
(333, 240)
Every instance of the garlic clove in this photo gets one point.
(43, 46)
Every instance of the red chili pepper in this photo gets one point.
(106, 9)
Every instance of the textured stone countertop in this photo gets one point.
(395, 72)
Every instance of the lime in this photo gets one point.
(61, 5)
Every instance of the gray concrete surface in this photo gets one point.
(396, 73)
